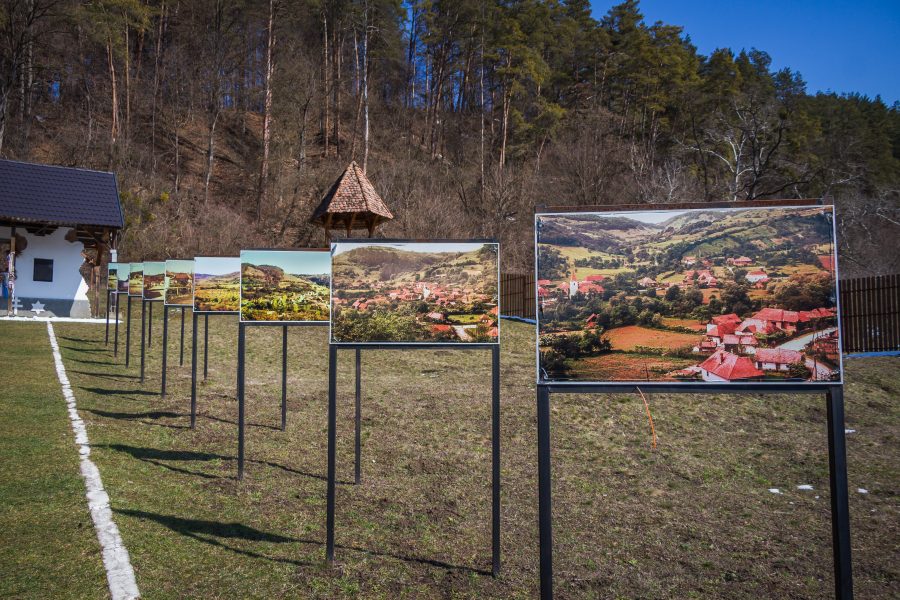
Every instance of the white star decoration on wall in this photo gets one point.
(37, 308)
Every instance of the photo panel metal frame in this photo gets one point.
(194, 286)
(308, 251)
(833, 391)
(397, 241)
(622, 210)
(166, 290)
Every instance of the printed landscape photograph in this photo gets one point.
(123, 274)
(154, 280)
(714, 295)
(179, 282)
(410, 292)
(285, 285)
(112, 276)
(217, 284)
(136, 279)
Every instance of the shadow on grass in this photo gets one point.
(157, 457)
(75, 339)
(114, 392)
(211, 532)
(105, 363)
(221, 420)
(141, 417)
(76, 349)
(112, 376)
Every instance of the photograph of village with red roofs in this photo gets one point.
(715, 295)
(409, 292)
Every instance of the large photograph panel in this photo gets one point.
(136, 279)
(733, 295)
(112, 276)
(179, 282)
(154, 280)
(412, 292)
(217, 284)
(123, 273)
(290, 286)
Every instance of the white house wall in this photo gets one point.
(67, 294)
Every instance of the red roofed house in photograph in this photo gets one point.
(777, 359)
(725, 366)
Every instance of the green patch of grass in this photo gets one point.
(689, 519)
(48, 548)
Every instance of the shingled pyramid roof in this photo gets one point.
(352, 203)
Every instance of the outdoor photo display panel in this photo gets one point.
(136, 279)
(415, 292)
(112, 276)
(123, 273)
(724, 295)
(217, 284)
(179, 282)
(285, 286)
(154, 280)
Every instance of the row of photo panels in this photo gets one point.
(719, 295)
(368, 291)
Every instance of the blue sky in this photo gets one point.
(216, 265)
(836, 45)
(295, 262)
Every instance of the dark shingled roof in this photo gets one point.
(45, 194)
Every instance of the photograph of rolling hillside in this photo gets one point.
(717, 295)
(136, 279)
(123, 274)
(285, 285)
(154, 280)
(112, 277)
(407, 292)
(217, 284)
(179, 282)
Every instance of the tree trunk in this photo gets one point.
(210, 155)
(325, 86)
(267, 116)
(162, 18)
(114, 122)
(365, 88)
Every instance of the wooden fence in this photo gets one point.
(517, 295)
(870, 314)
(870, 309)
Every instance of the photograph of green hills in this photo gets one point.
(409, 292)
(718, 295)
(179, 282)
(136, 279)
(154, 280)
(217, 284)
(285, 285)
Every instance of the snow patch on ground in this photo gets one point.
(805, 486)
(862, 490)
(775, 490)
(119, 573)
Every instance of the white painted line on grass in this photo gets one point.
(119, 573)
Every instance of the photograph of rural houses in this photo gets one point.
(123, 274)
(415, 292)
(179, 282)
(112, 276)
(217, 284)
(154, 280)
(716, 295)
(136, 279)
(285, 285)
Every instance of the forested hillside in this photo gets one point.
(226, 120)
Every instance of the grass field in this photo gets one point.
(692, 519)
(630, 336)
(687, 323)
